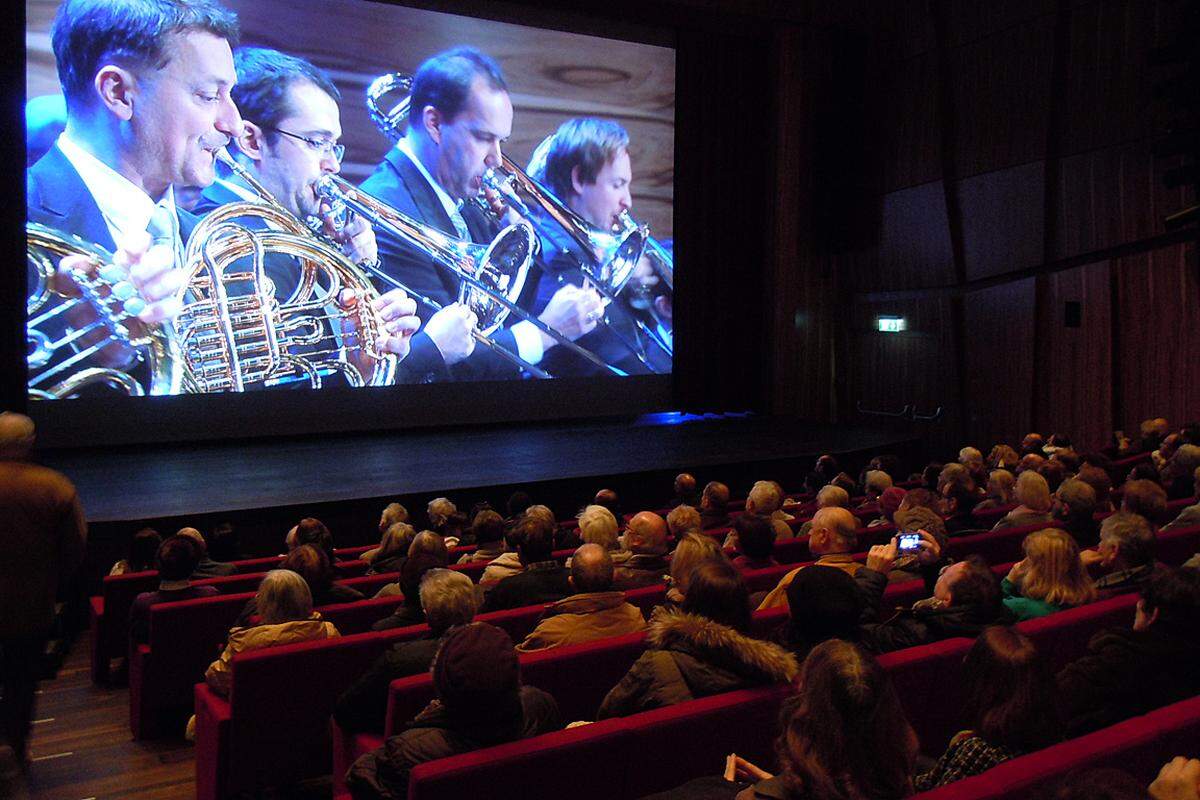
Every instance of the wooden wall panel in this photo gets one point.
(1002, 219)
(1158, 308)
(1073, 366)
(999, 330)
(909, 130)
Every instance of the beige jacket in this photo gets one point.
(220, 672)
(584, 618)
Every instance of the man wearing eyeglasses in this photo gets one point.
(288, 140)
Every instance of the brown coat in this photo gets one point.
(43, 538)
(220, 672)
(584, 618)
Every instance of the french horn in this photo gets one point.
(77, 342)
(235, 331)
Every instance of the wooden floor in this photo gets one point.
(82, 748)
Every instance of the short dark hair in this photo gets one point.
(533, 539)
(488, 527)
(518, 501)
(977, 586)
(755, 535)
(313, 565)
(87, 34)
(311, 530)
(143, 548)
(177, 558)
(1175, 593)
(264, 78)
(717, 591)
(444, 81)
(223, 542)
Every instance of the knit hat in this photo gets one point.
(890, 500)
(476, 667)
(823, 603)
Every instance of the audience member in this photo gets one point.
(608, 499)
(889, 504)
(1003, 457)
(393, 549)
(449, 599)
(1074, 506)
(682, 520)
(1050, 578)
(646, 541)
(1125, 557)
(205, 567)
(1101, 483)
(929, 476)
(312, 531)
(701, 649)
(692, 550)
(392, 514)
(1033, 494)
(541, 580)
(488, 532)
(714, 502)
(223, 545)
(516, 505)
(143, 547)
(595, 611)
(1030, 462)
(828, 497)
(999, 490)
(1190, 515)
(1010, 708)
(313, 566)
(1055, 472)
(1033, 444)
(834, 537)
(419, 562)
(917, 513)
(958, 498)
(176, 561)
(1146, 498)
(480, 702)
(1178, 474)
(1132, 671)
(285, 607)
(766, 499)
(685, 491)
(875, 483)
(827, 467)
(964, 599)
(42, 539)
(823, 603)
(438, 512)
(1162, 456)
(755, 542)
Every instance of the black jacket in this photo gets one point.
(383, 773)
(363, 706)
(1126, 673)
(910, 628)
(538, 583)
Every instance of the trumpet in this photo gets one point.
(490, 276)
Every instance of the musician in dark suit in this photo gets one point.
(146, 87)
(460, 115)
(586, 165)
(287, 140)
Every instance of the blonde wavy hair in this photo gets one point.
(693, 550)
(1053, 571)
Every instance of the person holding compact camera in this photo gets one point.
(964, 599)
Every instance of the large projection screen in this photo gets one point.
(578, 289)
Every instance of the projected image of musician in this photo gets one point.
(586, 165)
(288, 138)
(148, 105)
(460, 117)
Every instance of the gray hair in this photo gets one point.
(597, 525)
(683, 519)
(439, 510)
(765, 497)
(833, 497)
(449, 598)
(877, 481)
(1132, 535)
(283, 596)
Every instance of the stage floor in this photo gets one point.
(118, 484)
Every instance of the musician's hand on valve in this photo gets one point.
(400, 322)
(451, 330)
(573, 312)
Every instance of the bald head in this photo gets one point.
(685, 485)
(834, 530)
(16, 435)
(591, 569)
(647, 534)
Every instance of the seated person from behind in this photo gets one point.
(287, 617)
(595, 611)
(827, 497)
(918, 512)
(313, 566)
(176, 560)
(542, 579)
(685, 491)
(875, 483)
(205, 567)
(714, 502)
(1130, 671)
(1190, 515)
(419, 562)
(693, 550)
(1000, 485)
(1033, 493)
(823, 603)
(1177, 474)
(964, 599)
(682, 520)
(700, 649)
(392, 513)
(646, 541)
(766, 500)
(889, 504)
(1147, 498)
(1074, 506)
(597, 525)
(488, 531)
(1125, 558)
(449, 599)
(755, 542)
(311, 530)
(393, 549)
(834, 537)
(958, 498)
(1050, 577)
(1011, 708)
(480, 702)
(143, 547)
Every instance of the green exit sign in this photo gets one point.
(891, 324)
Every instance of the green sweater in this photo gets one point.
(1025, 607)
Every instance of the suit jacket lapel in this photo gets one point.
(424, 197)
(63, 201)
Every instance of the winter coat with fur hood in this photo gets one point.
(690, 656)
